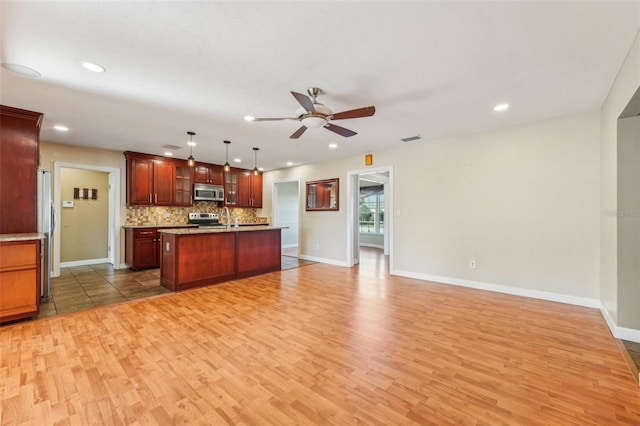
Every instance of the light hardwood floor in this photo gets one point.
(319, 345)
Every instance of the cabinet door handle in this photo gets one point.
(149, 198)
(156, 198)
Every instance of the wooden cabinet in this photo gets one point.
(249, 192)
(231, 188)
(157, 181)
(19, 279)
(208, 173)
(150, 180)
(163, 182)
(19, 158)
(141, 248)
(183, 184)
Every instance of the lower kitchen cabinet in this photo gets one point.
(141, 248)
(19, 279)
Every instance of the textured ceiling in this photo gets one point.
(434, 69)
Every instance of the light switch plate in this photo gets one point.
(67, 204)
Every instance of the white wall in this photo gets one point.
(522, 202)
(625, 85)
(628, 217)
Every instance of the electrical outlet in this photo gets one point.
(167, 215)
(472, 264)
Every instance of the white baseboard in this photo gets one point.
(323, 260)
(623, 333)
(83, 262)
(498, 288)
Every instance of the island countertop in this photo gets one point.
(220, 229)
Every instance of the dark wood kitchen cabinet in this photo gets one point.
(209, 173)
(19, 159)
(242, 188)
(183, 184)
(141, 248)
(150, 180)
(249, 189)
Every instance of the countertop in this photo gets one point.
(187, 225)
(21, 237)
(189, 231)
(158, 226)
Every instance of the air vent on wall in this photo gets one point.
(411, 138)
(173, 147)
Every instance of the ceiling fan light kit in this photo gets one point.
(313, 115)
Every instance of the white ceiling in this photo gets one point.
(434, 69)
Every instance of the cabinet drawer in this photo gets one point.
(146, 232)
(18, 256)
(18, 292)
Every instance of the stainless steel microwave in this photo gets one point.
(208, 192)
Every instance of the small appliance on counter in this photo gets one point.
(205, 220)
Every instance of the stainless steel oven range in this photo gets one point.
(205, 220)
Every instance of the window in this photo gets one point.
(372, 213)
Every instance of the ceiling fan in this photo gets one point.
(313, 115)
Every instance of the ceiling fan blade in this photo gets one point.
(304, 101)
(298, 132)
(275, 119)
(355, 113)
(339, 130)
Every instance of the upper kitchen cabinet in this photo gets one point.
(209, 173)
(19, 159)
(183, 184)
(249, 192)
(150, 180)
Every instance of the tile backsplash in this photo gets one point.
(157, 215)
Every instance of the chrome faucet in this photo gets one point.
(225, 209)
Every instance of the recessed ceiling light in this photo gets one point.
(191, 143)
(333, 145)
(249, 118)
(169, 154)
(501, 107)
(261, 169)
(94, 67)
(21, 70)
(61, 128)
(289, 163)
(237, 160)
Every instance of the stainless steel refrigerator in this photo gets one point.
(46, 225)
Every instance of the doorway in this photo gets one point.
(369, 208)
(81, 204)
(286, 213)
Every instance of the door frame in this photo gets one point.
(274, 204)
(114, 211)
(353, 228)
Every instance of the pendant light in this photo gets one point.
(191, 161)
(227, 167)
(255, 156)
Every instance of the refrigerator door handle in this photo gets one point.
(53, 218)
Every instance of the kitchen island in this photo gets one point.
(197, 257)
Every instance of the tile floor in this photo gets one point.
(84, 287)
